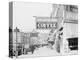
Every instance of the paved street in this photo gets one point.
(43, 51)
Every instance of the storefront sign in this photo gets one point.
(46, 25)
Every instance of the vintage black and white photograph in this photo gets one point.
(42, 29)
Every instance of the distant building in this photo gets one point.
(16, 30)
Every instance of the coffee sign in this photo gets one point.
(46, 25)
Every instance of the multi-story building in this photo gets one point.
(22, 41)
(71, 28)
(65, 16)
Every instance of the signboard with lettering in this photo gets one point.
(46, 25)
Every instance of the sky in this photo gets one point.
(23, 19)
(23, 13)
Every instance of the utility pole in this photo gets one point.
(16, 44)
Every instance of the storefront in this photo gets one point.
(70, 29)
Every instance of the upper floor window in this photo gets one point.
(72, 8)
